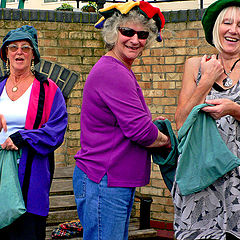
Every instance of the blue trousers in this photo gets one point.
(104, 212)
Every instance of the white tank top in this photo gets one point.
(15, 113)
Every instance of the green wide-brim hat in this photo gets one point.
(211, 13)
(25, 32)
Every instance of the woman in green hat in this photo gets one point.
(33, 118)
(214, 212)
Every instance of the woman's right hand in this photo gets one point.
(192, 93)
(3, 123)
(9, 145)
(211, 70)
(161, 141)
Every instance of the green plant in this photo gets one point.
(65, 7)
(90, 7)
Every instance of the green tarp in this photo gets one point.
(166, 158)
(11, 200)
(204, 156)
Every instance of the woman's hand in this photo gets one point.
(3, 123)
(168, 145)
(193, 94)
(211, 70)
(159, 118)
(9, 145)
(161, 141)
(222, 107)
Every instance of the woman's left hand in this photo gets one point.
(222, 107)
(159, 118)
(9, 145)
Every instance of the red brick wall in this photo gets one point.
(72, 41)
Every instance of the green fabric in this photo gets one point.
(211, 13)
(11, 200)
(204, 156)
(3, 3)
(25, 32)
(166, 159)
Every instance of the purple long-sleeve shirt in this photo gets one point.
(116, 127)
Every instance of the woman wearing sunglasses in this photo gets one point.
(33, 118)
(116, 124)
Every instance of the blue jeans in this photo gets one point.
(104, 212)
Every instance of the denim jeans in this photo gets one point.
(104, 212)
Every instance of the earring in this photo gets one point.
(8, 67)
(32, 67)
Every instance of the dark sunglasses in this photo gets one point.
(128, 32)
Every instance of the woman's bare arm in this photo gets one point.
(192, 94)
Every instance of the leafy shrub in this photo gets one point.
(90, 5)
(65, 7)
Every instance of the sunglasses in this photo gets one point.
(24, 48)
(128, 32)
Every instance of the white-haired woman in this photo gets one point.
(116, 125)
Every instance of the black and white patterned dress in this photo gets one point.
(212, 212)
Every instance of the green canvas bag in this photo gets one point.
(204, 156)
(11, 201)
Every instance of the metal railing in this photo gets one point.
(100, 3)
(20, 4)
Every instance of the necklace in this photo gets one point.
(228, 82)
(15, 88)
(26, 79)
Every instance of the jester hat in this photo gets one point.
(145, 8)
(211, 13)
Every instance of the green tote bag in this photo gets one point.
(204, 156)
(11, 201)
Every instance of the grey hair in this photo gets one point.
(110, 27)
(219, 20)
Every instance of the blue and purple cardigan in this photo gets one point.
(44, 131)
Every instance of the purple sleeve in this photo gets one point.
(122, 94)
